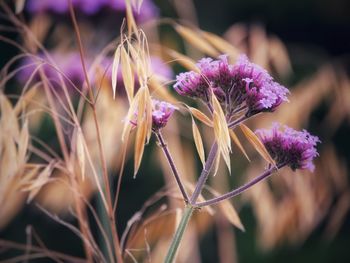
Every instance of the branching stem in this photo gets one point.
(240, 189)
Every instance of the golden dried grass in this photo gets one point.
(18, 178)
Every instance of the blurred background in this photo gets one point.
(295, 217)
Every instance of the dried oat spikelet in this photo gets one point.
(221, 131)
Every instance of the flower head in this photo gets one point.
(296, 149)
(243, 84)
(161, 113)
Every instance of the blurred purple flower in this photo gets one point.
(161, 113)
(242, 84)
(68, 66)
(296, 149)
(161, 69)
(91, 7)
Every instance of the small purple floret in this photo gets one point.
(296, 149)
(261, 92)
(191, 84)
(161, 113)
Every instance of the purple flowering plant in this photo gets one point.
(233, 93)
(243, 90)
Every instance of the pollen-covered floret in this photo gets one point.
(287, 146)
(161, 112)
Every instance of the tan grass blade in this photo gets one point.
(231, 214)
(161, 91)
(115, 68)
(144, 126)
(257, 144)
(8, 117)
(238, 143)
(227, 209)
(221, 132)
(127, 73)
(183, 60)
(25, 100)
(141, 107)
(29, 174)
(8, 160)
(198, 142)
(23, 144)
(141, 135)
(216, 164)
(145, 55)
(19, 5)
(132, 27)
(81, 152)
(194, 38)
(148, 111)
(201, 116)
(131, 114)
(221, 44)
(220, 140)
(36, 184)
(140, 60)
(278, 54)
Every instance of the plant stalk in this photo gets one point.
(240, 189)
(175, 243)
(190, 208)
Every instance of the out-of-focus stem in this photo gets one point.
(241, 189)
(172, 165)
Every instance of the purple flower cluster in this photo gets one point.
(287, 146)
(90, 7)
(161, 113)
(241, 85)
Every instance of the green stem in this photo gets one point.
(170, 257)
